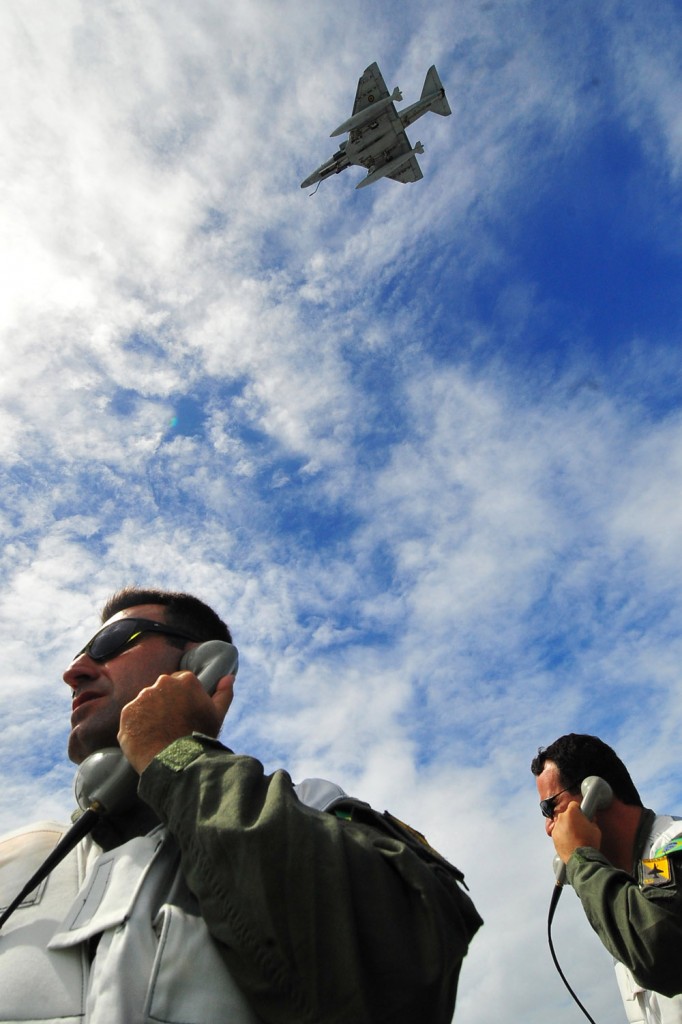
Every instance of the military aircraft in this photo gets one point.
(377, 139)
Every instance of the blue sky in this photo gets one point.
(421, 445)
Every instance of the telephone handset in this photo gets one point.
(106, 782)
(211, 661)
(597, 796)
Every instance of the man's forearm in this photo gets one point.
(642, 931)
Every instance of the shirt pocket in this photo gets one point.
(190, 982)
(632, 995)
(109, 893)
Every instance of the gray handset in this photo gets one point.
(597, 796)
(106, 782)
(210, 662)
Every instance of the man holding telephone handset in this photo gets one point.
(208, 892)
(626, 868)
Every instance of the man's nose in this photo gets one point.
(81, 669)
(549, 826)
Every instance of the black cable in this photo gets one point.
(552, 907)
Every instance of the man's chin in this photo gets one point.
(82, 743)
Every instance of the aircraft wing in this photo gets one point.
(408, 172)
(371, 87)
(380, 144)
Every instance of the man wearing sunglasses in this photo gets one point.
(219, 894)
(626, 868)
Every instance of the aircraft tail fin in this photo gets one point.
(433, 84)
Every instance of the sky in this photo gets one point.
(419, 444)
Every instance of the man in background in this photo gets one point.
(217, 893)
(626, 868)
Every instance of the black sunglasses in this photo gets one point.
(547, 806)
(115, 636)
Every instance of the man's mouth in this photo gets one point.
(84, 698)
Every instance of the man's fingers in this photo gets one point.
(175, 706)
(572, 829)
(222, 698)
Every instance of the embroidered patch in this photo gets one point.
(656, 871)
(674, 846)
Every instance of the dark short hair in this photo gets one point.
(186, 612)
(577, 756)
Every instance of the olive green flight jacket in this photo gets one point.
(341, 916)
(638, 918)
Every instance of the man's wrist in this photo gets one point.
(179, 754)
(581, 857)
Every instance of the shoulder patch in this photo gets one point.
(674, 846)
(412, 831)
(656, 871)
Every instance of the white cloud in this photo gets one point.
(437, 549)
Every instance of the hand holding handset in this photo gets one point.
(106, 782)
(597, 796)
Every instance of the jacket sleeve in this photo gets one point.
(321, 920)
(642, 928)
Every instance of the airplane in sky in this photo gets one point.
(377, 139)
